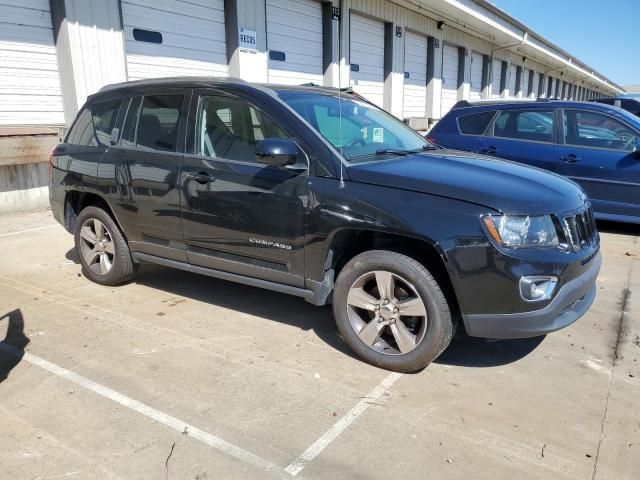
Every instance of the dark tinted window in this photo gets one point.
(476, 123)
(631, 106)
(591, 129)
(158, 125)
(535, 125)
(229, 128)
(81, 132)
(128, 137)
(104, 119)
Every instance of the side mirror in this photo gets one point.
(277, 152)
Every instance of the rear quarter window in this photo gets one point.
(475, 123)
(94, 124)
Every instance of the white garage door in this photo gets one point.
(449, 78)
(525, 83)
(536, 85)
(415, 86)
(191, 38)
(29, 81)
(512, 81)
(294, 28)
(496, 76)
(475, 92)
(367, 57)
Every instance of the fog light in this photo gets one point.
(536, 289)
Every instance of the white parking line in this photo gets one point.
(28, 230)
(319, 445)
(150, 412)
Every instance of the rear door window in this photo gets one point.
(532, 125)
(475, 123)
(159, 121)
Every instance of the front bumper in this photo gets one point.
(571, 302)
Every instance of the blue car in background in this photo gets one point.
(596, 145)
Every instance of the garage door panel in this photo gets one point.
(193, 30)
(415, 87)
(449, 95)
(366, 49)
(475, 87)
(182, 8)
(30, 91)
(496, 76)
(193, 38)
(295, 28)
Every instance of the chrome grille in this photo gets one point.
(580, 229)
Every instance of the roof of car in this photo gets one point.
(515, 103)
(194, 82)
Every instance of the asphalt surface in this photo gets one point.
(180, 376)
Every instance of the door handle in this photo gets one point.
(201, 177)
(571, 158)
(489, 150)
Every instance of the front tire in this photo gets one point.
(103, 251)
(391, 311)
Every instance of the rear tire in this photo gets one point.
(391, 311)
(103, 251)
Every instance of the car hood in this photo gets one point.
(501, 185)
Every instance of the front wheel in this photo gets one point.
(391, 311)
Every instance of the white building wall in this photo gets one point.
(30, 92)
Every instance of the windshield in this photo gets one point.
(357, 129)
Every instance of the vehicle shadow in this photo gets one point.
(466, 351)
(14, 343)
(463, 351)
(618, 228)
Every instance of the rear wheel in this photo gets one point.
(391, 311)
(103, 251)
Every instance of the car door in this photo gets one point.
(523, 135)
(142, 170)
(240, 216)
(596, 151)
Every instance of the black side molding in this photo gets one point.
(308, 295)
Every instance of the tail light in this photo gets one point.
(52, 155)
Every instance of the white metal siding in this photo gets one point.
(525, 83)
(193, 38)
(512, 80)
(415, 87)
(496, 75)
(29, 82)
(367, 51)
(295, 28)
(449, 78)
(536, 85)
(475, 92)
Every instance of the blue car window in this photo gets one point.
(475, 123)
(533, 125)
(591, 129)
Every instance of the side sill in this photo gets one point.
(308, 295)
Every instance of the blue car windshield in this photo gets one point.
(359, 130)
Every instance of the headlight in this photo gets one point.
(520, 231)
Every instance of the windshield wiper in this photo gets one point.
(397, 151)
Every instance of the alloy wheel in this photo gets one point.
(386, 312)
(96, 246)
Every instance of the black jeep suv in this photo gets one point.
(318, 193)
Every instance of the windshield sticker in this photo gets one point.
(364, 131)
(378, 135)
